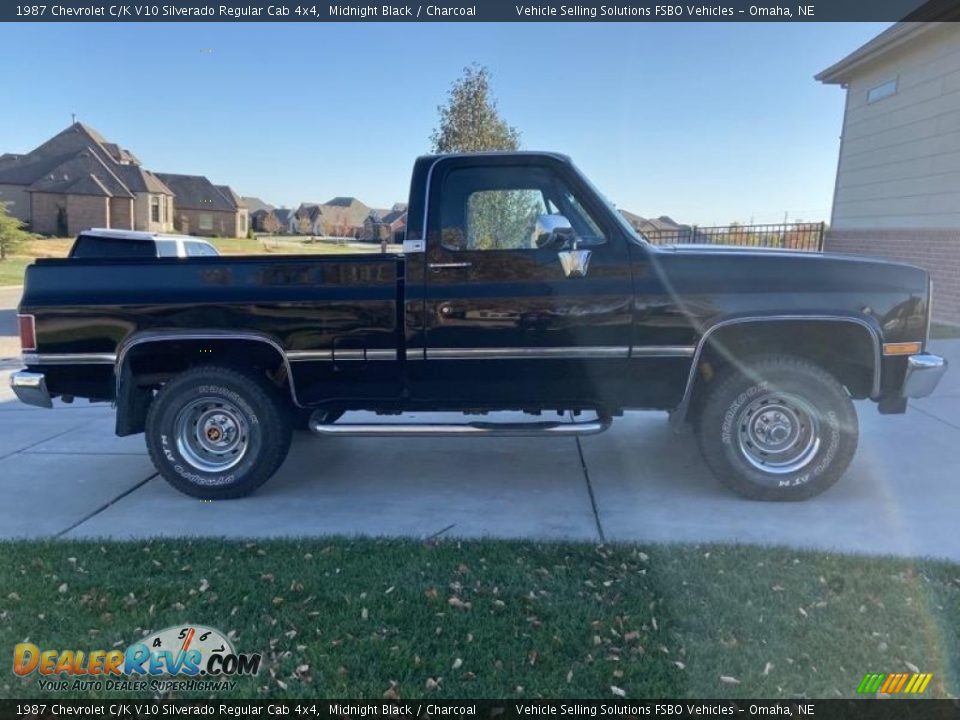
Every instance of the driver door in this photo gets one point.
(504, 323)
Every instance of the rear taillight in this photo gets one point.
(28, 332)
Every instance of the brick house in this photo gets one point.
(202, 208)
(340, 217)
(897, 189)
(77, 179)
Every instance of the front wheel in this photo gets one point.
(778, 428)
(217, 433)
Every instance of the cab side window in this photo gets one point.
(502, 207)
(197, 249)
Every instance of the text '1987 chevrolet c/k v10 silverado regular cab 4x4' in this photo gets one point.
(519, 288)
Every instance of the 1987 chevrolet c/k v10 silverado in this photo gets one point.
(519, 288)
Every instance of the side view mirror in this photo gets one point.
(554, 232)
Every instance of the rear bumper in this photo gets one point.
(923, 374)
(31, 388)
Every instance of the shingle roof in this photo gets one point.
(230, 195)
(196, 192)
(255, 203)
(140, 180)
(83, 174)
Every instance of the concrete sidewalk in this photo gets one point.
(63, 473)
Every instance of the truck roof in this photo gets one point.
(500, 153)
(137, 235)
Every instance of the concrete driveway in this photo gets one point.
(64, 474)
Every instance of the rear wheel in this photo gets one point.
(217, 433)
(778, 428)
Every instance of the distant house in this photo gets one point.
(897, 191)
(253, 204)
(309, 219)
(76, 180)
(389, 225)
(286, 219)
(203, 208)
(344, 216)
(661, 229)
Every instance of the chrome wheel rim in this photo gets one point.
(212, 434)
(778, 433)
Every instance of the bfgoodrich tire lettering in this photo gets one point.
(217, 433)
(778, 428)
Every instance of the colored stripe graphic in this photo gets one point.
(894, 683)
(871, 683)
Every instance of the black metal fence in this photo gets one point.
(789, 236)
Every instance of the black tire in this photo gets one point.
(246, 441)
(777, 428)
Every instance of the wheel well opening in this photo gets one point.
(147, 366)
(846, 350)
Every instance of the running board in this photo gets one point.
(534, 429)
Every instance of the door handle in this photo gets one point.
(449, 266)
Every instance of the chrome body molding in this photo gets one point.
(167, 336)
(924, 372)
(308, 355)
(554, 353)
(645, 351)
(33, 358)
(341, 355)
(526, 353)
(679, 414)
(31, 388)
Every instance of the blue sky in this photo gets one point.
(709, 123)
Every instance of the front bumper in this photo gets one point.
(923, 374)
(31, 388)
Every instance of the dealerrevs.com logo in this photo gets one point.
(183, 657)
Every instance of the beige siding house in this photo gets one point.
(898, 177)
(203, 208)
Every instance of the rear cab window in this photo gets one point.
(95, 246)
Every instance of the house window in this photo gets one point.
(881, 91)
(205, 221)
(155, 208)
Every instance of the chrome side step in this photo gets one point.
(489, 429)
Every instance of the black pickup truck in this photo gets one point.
(518, 288)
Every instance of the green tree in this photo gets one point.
(470, 120)
(12, 234)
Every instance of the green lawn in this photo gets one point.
(11, 270)
(354, 618)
